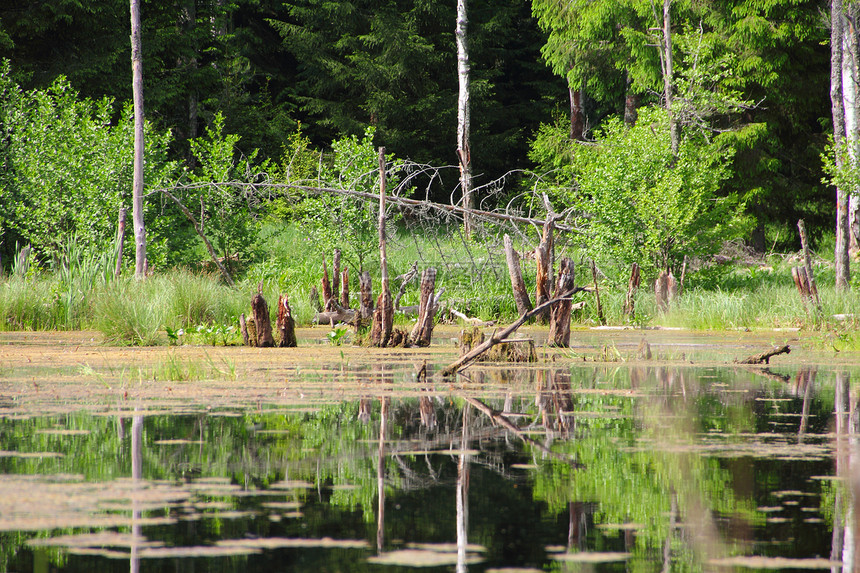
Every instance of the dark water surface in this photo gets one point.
(564, 465)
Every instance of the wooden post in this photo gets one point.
(521, 295)
(632, 287)
(807, 262)
(285, 324)
(120, 239)
(543, 256)
(335, 276)
(365, 307)
(559, 324)
(383, 316)
(263, 323)
(600, 316)
(344, 289)
(423, 330)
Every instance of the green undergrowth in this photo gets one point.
(181, 306)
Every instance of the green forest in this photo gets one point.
(658, 133)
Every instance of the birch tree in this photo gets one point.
(464, 154)
(838, 101)
(137, 183)
(851, 101)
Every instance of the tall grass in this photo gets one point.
(80, 292)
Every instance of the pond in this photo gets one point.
(333, 458)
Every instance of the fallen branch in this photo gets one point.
(764, 357)
(498, 337)
(199, 231)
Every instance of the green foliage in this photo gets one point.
(340, 221)
(638, 202)
(68, 168)
(227, 209)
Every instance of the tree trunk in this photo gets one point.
(851, 97)
(286, 325)
(666, 62)
(262, 322)
(837, 104)
(423, 331)
(464, 153)
(559, 324)
(632, 287)
(327, 295)
(807, 262)
(543, 257)
(521, 295)
(383, 316)
(365, 308)
(335, 276)
(577, 115)
(344, 288)
(120, 239)
(600, 318)
(140, 264)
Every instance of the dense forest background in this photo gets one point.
(752, 78)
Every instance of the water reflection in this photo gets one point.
(646, 468)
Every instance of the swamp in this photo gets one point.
(631, 450)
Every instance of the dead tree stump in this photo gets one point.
(262, 322)
(335, 276)
(559, 323)
(423, 330)
(632, 287)
(543, 257)
(328, 302)
(344, 289)
(365, 307)
(243, 328)
(521, 295)
(600, 317)
(285, 324)
(666, 290)
(812, 289)
(383, 320)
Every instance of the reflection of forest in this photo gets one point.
(659, 466)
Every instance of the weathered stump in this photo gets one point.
(120, 239)
(543, 257)
(315, 299)
(383, 320)
(665, 289)
(521, 295)
(600, 316)
(335, 276)
(559, 324)
(344, 290)
(243, 328)
(632, 287)
(328, 301)
(262, 322)
(807, 263)
(423, 331)
(286, 325)
(365, 308)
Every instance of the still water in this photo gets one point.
(354, 464)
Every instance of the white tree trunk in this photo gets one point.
(667, 76)
(464, 153)
(837, 102)
(851, 100)
(137, 181)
